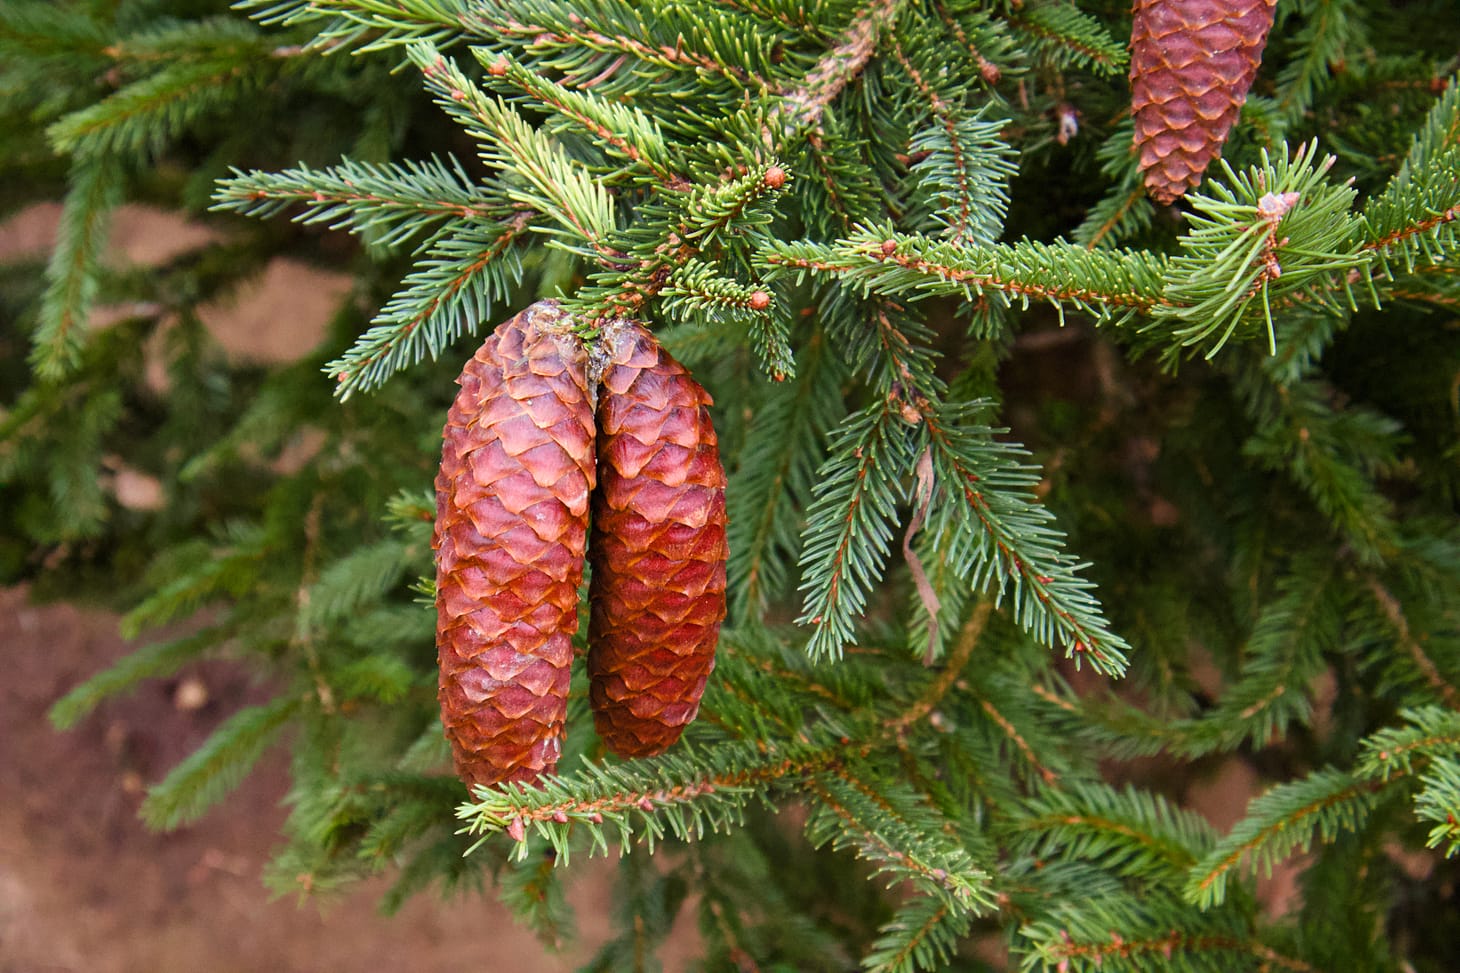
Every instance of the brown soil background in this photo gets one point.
(84, 886)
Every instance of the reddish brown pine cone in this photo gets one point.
(1192, 63)
(511, 524)
(658, 548)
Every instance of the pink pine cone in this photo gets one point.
(512, 496)
(1192, 64)
(658, 547)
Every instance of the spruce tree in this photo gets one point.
(967, 673)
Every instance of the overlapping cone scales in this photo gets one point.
(1192, 63)
(512, 501)
(658, 548)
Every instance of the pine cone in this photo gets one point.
(1192, 63)
(511, 523)
(658, 548)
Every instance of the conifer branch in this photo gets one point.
(1016, 541)
(369, 25)
(1281, 821)
(1108, 285)
(1413, 221)
(620, 129)
(390, 202)
(923, 934)
(962, 156)
(673, 794)
(846, 816)
(556, 185)
(1394, 613)
(849, 526)
(1278, 231)
(775, 477)
(988, 70)
(1432, 733)
(142, 118)
(1086, 954)
(656, 33)
(71, 275)
(953, 666)
(1131, 833)
(1071, 36)
(454, 286)
(1332, 31)
(803, 106)
(219, 766)
(155, 661)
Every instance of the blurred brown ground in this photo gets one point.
(85, 887)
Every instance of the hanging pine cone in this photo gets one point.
(1192, 63)
(658, 547)
(511, 523)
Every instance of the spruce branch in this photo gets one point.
(1431, 733)
(220, 765)
(677, 794)
(804, 18)
(1011, 538)
(983, 40)
(71, 276)
(803, 106)
(697, 234)
(964, 170)
(849, 527)
(1394, 613)
(142, 118)
(1284, 820)
(1412, 223)
(1276, 232)
(155, 661)
(388, 203)
(1160, 952)
(1111, 286)
(452, 289)
(1129, 832)
(963, 167)
(1070, 37)
(721, 52)
(1439, 801)
(551, 182)
(620, 130)
(199, 572)
(922, 934)
(368, 25)
(1289, 645)
(1332, 32)
(898, 835)
(1334, 455)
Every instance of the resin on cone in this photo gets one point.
(512, 499)
(1192, 63)
(658, 547)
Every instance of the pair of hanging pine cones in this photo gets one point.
(1192, 64)
(541, 436)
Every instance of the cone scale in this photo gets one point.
(512, 499)
(1192, 64)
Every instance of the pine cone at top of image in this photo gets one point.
(1192, 64)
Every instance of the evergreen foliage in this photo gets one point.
(868, 227)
